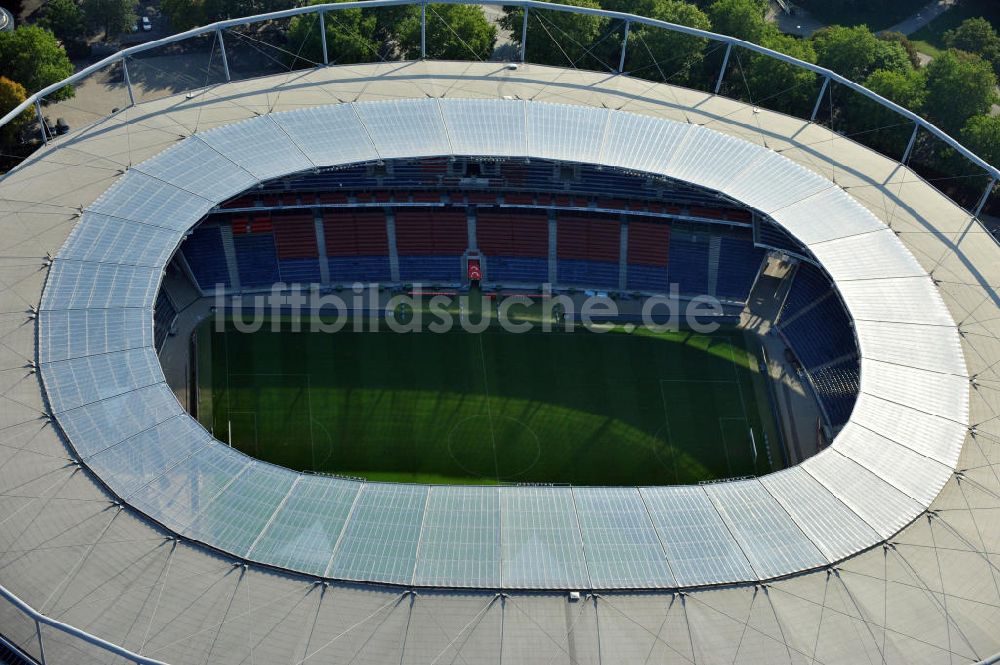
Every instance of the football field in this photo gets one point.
(579, 407)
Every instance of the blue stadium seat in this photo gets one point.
(430, 268)
(837, 386)
(203, 252)
(257, 260)
(579, 272)
(359, 269)
(517, 269)
(647, 278)
(739, 263)
(299, 271)
(688, 266)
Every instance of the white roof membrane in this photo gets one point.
(105, 385)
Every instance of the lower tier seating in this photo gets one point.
(837, 386)
(577, 272)
(516, 269)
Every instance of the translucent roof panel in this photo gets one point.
(883, 507)
(308, 525)
(773, 543)
(486, 126)
(842, 217)
(643, 143)
(73, 383)
(127, 466)
(623, 550)
(197, 167)
(259, 146)
(238, 516)
(182, 490)
(934, 348)
(570, 133)
(328, 135)
(540, 536)
(104, 383)
(871, 255)
(405, 128)
(99, 425)
(104, 239)
(711, 159)
(915, 475)
(77, 285)
(143, 198)
(775, 182)
(944, 395)
(900, 300)
(380, 539)
(72, 333)
(833, 527)
(700, 549)
(460, 539)
(928, 435)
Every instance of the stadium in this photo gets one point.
(813, 480)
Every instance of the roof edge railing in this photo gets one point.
(42, 620)
(829, 75)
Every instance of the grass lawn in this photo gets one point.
(929, 39)
(581, 407)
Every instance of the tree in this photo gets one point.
(976, 35)
(856, 52)
(558, 38)
(659, 54)
(350, 37)
(64, 18)
(981, 135)
(959, 86)
(33, 57)
(12, 94)
(743, 19)
(775, 84)
(454, 32)
(876, 126)
(111, 16)
(184, 14)
(904, 41)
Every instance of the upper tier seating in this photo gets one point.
(203, 252)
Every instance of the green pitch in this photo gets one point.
(584, 408)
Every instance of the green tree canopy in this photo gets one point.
(64, 18)
(904, 41)
(976, 35)
(184, 14)
(981, 135)
(774, 84)
(876, 126)
(558, 38)
(350, 37)
(33, 57)
(12, 94)
(743, 19)
(454, 32)
(659, 54)
(959, 86)
(856, 52)
(111, 16)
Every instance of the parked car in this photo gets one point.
(147, 25)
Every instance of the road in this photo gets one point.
(804, 25)
(929, 12)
